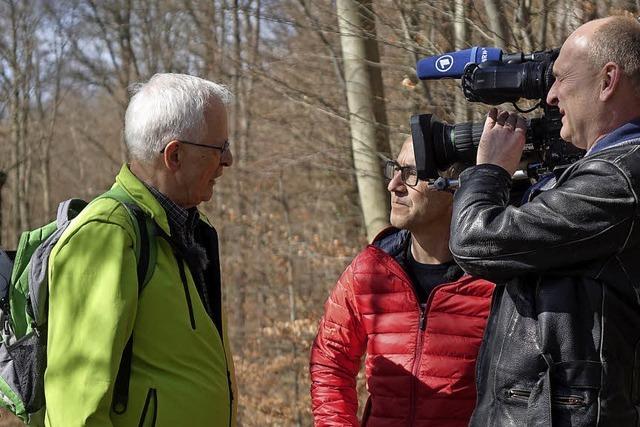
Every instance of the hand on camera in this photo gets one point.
(502, 140)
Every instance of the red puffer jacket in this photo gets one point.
(420, 364)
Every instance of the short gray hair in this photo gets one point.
(618, 40)
(168, 107)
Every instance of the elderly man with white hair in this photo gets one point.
(181, 371)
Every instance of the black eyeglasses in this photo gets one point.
(408, 174)
(222, 149)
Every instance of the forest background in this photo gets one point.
(321, 88)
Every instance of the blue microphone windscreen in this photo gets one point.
(451, 65)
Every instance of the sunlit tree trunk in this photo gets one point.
(291, 291)
(411, 28)
(462, 109)
(3, 180)
(240, 141)
(363, 97)
(19, 56)
(523, 24)
(497, 23)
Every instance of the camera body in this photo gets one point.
(489, 76)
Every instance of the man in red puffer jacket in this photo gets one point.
(409, 307)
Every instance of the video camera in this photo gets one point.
(492, 77)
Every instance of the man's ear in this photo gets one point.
(172, 156)
(611, 76)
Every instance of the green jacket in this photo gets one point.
(180, 375)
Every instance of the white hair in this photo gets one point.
(168, 107)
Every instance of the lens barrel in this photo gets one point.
(496, 83)
(465, 139)
(438, 145)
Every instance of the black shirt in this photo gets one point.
(426, 277)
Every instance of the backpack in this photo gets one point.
(24, 294)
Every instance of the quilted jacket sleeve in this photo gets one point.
(335, 358)
(589, 215)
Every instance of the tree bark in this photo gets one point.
(363, 99)
(291, 291)
(462, 109)
(3, 180)
(523, 23)
(240, 287)
(411, 27)
(19, 57)
(497, 23)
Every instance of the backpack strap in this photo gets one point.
(37, 301)
(145, 231)
(6, 266)
(146, 255)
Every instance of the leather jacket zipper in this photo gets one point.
(568, 400)
(564, 400)
(517, 394)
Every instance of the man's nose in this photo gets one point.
(552, 98)
(227, 158)
(395, 183)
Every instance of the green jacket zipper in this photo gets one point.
(152, 399)
(185, 285)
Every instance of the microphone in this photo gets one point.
(451, 65)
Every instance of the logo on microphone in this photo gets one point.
(444, 63)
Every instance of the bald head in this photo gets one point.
(614, 39)
(597, 79)
(582, 37)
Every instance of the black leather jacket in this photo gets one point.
(562, 346)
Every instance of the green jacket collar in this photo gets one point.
(147, 201)
(132, 185)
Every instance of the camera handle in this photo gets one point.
(444, 184)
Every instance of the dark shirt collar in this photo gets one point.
(628, 132)
(182, 222)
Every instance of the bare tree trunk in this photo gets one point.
(48, 118)
(544, 23)
(575, 11)
(372, 54)
(239, 139)
(3, 180)
(205, 18)
(462, 108)
(562, 22)
(222, 38)
(27, 53)
(247, 116)
(410, 29)
(497, 23)
(523, 23)
(602, 8)
(293, 315)
(16, 158)
(326, 42)
(19, 58)
(129, 70)
(362, 103)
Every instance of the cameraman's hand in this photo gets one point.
(502, 140)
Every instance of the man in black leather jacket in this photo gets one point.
(562, 346)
